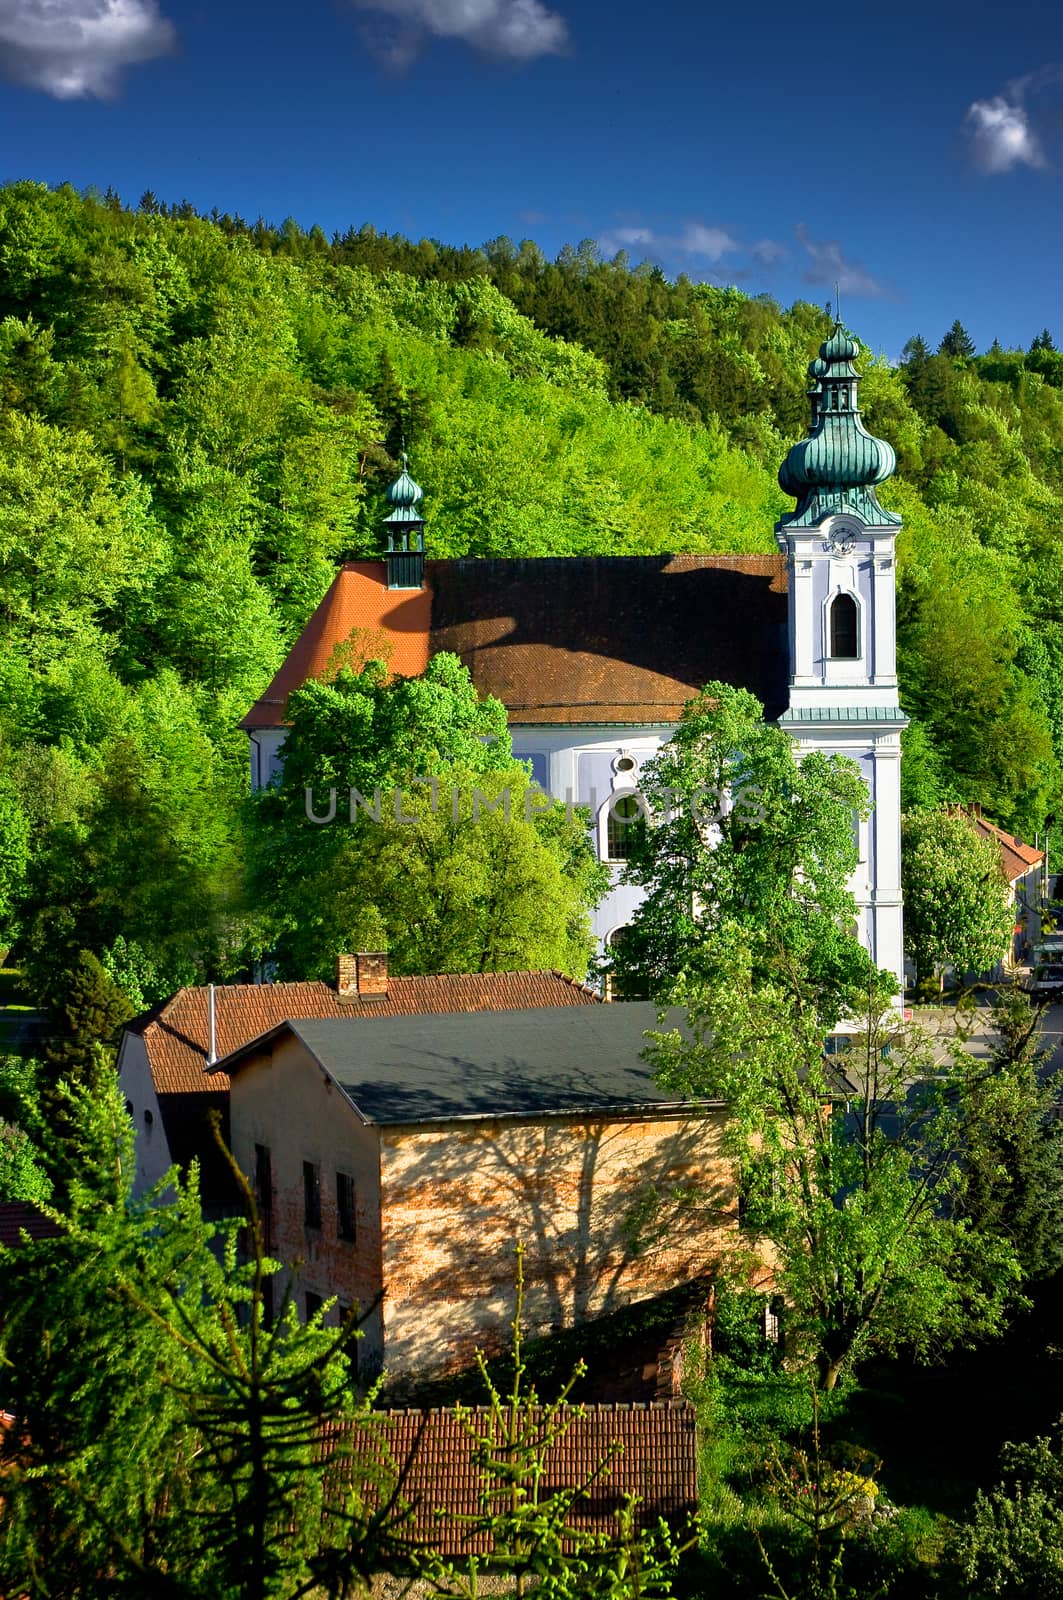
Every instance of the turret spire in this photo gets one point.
(838, 466)
(405, 525)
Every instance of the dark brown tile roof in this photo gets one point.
(17, 1218)
(567, 640)
(433, 1454)
(175, 1034)
(624, 639)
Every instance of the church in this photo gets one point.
(595, 656)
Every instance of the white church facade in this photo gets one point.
(594, 657)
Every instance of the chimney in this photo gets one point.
(363, 976)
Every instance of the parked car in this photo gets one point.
(1047, 979)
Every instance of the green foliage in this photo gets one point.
(1013, 1140)
(170, 1434)
(446, 854)
(747, 842)
(846, 1164)
(200, 416)
(957, 906)
(1013, 1543)
(90, 1011)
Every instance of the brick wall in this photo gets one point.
(609, 1212)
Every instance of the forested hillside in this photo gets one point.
(198, 419)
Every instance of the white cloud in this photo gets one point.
(693, 239)
(75, 48)
(768, 251)
(517, 29)
(1000, 135)
(827, 264)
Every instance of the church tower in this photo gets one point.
(839, 544)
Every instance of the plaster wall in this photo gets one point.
(151, 1150)
(284, 1101)
(609, 1212)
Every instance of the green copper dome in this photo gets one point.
(837, 467)
(404, 496)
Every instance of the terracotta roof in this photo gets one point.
(566, 640)
(1016, 858)
(357, 598)
(433, 1455)
(617, 639)
(175, 1034)
(17, 1218)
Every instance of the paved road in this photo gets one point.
(940, 1023)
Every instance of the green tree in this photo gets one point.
(1013, 1140)
(90, 1011)
(446, 854)
(14, 859)
(746, 838)
(957, 908)
(197, 1467)
(847, 1165)
(1013, 1543)
(957, 342)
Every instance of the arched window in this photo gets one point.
(844, 627)
(614, 989)
(622, 826)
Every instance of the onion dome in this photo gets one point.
(838, 465)
(404, 496)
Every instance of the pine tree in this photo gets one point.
(957, 342)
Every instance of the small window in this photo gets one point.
(313, 1304)
(622, 826)
(844, 622)
(345, 1218)
(612, 986)
(311, 1194)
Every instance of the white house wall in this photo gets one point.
(152, 1152)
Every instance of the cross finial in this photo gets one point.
(837, 301)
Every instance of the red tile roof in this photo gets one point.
(175, 1034)
(1016, 858)
(566, 640)
(357, 598)
(433, 1454)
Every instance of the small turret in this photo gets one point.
(405, 525)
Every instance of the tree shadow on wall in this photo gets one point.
(609, 1213)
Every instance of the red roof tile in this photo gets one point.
(1016, 858)
(433, 1454)
(566, 640)
(175, 1034)
(357, 598)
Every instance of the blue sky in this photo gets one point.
(913, 151)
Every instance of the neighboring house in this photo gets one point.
(594, 657)
(164, 1054)
(1023, 869)
(399, 1164)
(20, 1220)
